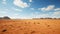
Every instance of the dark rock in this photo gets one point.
(4, 30)
(5, 17)
(32, 32)
(0, 17)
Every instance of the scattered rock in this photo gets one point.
(32, 32)
(4, 30)
(38, 23)
(21, 29)
(34, 23)
(48, 25)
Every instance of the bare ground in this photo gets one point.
(41, 26)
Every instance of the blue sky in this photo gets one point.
(26, 9)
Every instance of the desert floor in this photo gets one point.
(30, 26)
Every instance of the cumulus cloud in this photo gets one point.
(20, 3)
(18, 10)
(48, 8)
(30, 0)
(57, 12)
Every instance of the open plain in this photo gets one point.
(30, 26)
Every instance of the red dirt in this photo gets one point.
(42, 26)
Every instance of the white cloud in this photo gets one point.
(30, 0)
(56, 13)
(6, 9)
(16, 9)
(3, 1)
(43, 16)
(48, 8)
(57, 9)
(20, 3)
(3, 12)
(32, 8)
(16, 14)
(39, 15)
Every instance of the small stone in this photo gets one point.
(38, 23)
(32, 32)
(48, 25)
(4, 30)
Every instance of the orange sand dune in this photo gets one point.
(41, 26)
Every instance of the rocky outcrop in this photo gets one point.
(5, 17)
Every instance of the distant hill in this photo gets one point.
(5, 17)
(45, 18)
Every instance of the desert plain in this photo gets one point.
(29, 26)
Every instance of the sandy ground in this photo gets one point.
(41, 26)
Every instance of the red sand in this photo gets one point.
(42, 26)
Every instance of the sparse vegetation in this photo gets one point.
(46, 18)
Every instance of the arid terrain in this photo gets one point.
(30, 26)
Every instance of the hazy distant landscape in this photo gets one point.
(6, 17)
